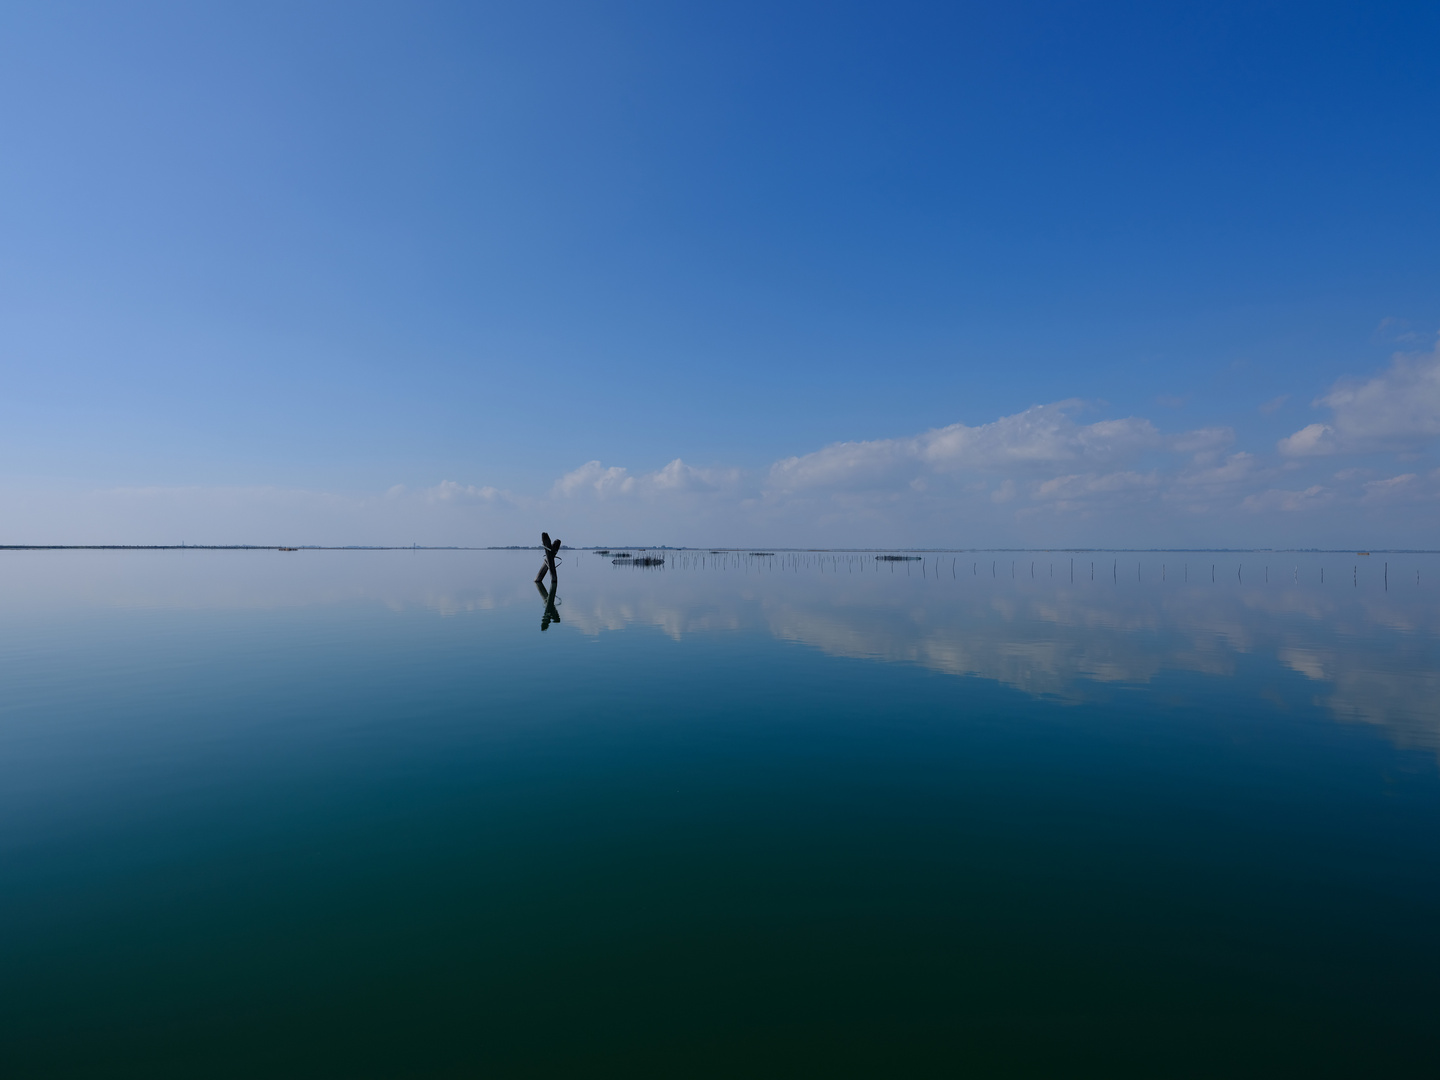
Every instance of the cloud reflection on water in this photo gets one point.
(1369, 654)
(1366, 652)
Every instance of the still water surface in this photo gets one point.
(357, 814)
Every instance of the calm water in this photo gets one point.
(356, 814)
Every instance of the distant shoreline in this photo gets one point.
(729, 551)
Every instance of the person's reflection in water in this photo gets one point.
(551, 614)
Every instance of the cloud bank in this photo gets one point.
(1398, 411)
(1051, 475)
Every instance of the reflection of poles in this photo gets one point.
(551, 614)
(548, 566)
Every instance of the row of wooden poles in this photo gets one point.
(951, 566)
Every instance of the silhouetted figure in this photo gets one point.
(548, 566)
(551, 614)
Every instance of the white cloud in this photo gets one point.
(449, 490)
(1288, 501)
(1274, 404)
(1396, 410)
(605, 482)
(1041, 435)
(1384, 490)
(1310, 440)
(1237, 469)
(1078, 486)
(1205, 444)
(677, 476)
(1202, 442)
(1392, 329)
(674, 478)
(848, 464)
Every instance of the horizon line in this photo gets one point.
(756, 550)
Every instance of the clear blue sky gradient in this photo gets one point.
(332, 249)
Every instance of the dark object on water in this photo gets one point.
(643, 560)
(898, 558)
(288, 549)
(767, 554)
(617, 554)
(552, 615)
(552, 547)
(604, 551)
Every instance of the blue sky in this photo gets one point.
(830, 274)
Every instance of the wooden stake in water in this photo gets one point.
(551, 548)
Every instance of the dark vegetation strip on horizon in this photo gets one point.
(230, 547)
(667, 547)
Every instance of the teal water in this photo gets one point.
(356, 814)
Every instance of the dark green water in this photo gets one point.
(354, 814)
